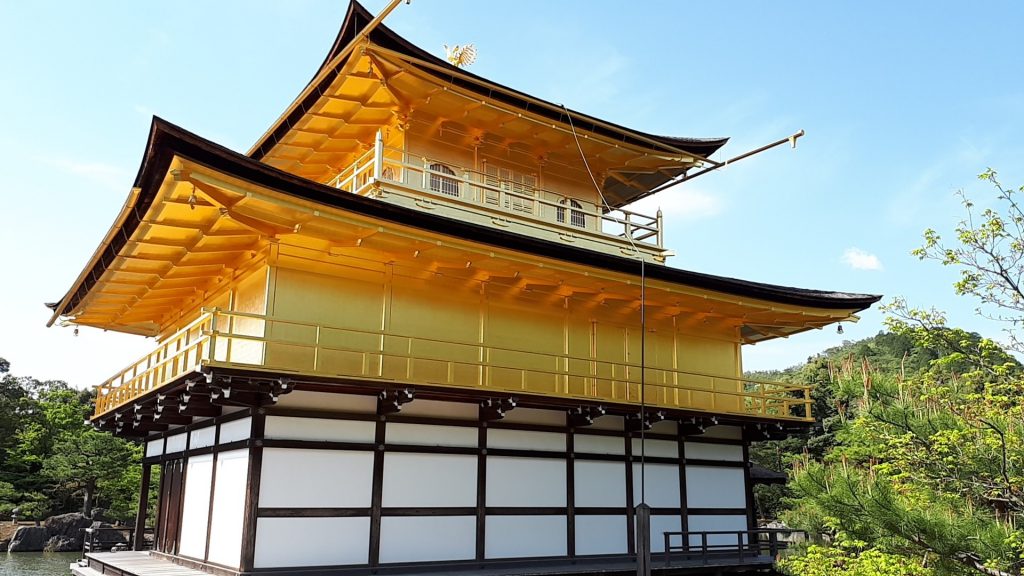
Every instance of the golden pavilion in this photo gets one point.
(417, 327)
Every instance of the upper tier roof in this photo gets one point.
(168, 142)
(619, 191)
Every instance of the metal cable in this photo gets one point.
(643, 317)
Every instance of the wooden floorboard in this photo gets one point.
(142, 564)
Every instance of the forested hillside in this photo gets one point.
(916, 465)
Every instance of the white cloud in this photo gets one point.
(681, 203)
(860, 260)
(106, 175)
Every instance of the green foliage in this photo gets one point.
(51, 461)
(989, 250)
(86, 461)
(850, 558)
(926, 457)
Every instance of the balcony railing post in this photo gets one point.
(378, 156)
(213, 333)
(661, 229)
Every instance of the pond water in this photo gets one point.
(37, 563)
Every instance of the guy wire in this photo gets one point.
(643, 317)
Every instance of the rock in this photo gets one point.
(62, 544)
(3, 546)
(106, 538)
(29, 539)
(70, 525)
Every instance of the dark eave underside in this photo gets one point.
(167, 140)
(358, 17)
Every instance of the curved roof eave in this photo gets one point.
(358, 17)
(167, 140)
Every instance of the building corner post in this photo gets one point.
(643, 539)
(141, 516)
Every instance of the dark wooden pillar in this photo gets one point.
(140, 518)
(481, 491)
(252, 489)
(630, 501)
(643, 540)
(377, 490)
(748, 486)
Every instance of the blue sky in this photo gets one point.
(903, 103)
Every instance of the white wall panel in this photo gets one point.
(662, 481)
(715, 487)
(525, 440)
(608, 422)
(235, 430)
(437, 409)
(229, 508)
(701, 451)
(195, 509)
(599, 483)
(425, 480)
(154, 448)
(427, 435)
(601, 535)
(293, 542)
(665, 427)
(525, 536)
(315, 478)
(699, 523)
(176, 443)
(727, 432)
(593, 444)
(535, 416)
(306, 400)
(423, 539)
(525, 481)
(661, 524)
(202, 437)
(659, 448)
(319, 429)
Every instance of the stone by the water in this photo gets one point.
(70, 525)
(62, 544)
(107, 538)
(3, 546)
(29, 539)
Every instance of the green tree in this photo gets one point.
(89, 462)
(930, 465)
(850, 558)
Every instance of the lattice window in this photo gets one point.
(522, 188)
(442, 179)
(577, 217)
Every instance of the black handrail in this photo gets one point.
(94, 543)
(749, 545)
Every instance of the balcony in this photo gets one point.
(220, 339)
(494, 199)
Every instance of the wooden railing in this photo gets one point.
(490, 193)
(253, 341)
(727, 547)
